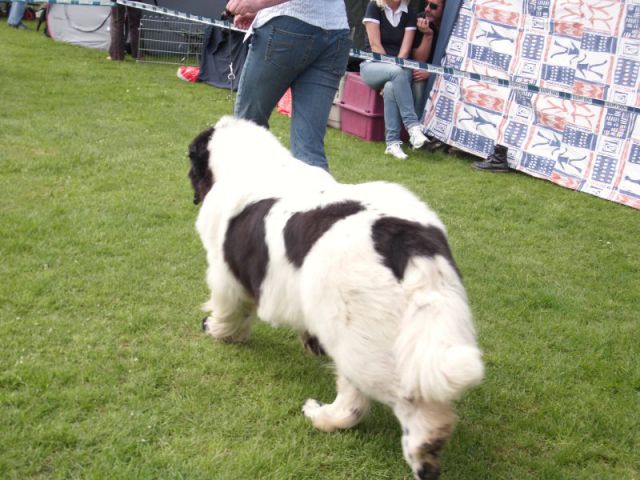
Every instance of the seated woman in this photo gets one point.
(391, 29)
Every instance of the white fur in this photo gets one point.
(409, 344)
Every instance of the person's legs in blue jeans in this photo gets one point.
(313, 93)
(16, 13)
(271, 65)
(392, 118)
(288, 52)
(401, 80)
(377, 75)
(419, 97)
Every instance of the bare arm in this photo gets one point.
(422, 51)
(373, 33)
(243, 7)
(407, 43)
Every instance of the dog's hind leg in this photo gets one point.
(349, 407)
(426, 427)
(232, 326)
(311, 344)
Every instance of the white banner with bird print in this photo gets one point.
(581, 47)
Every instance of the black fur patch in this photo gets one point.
(304, 229)
(356, 412)
(428, 454)
(429, 472)
(433, 448)
(245, 248)
(312, 344)
(200, 173)
(397, 240)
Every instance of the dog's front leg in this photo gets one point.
(349, 407)
(426, 427)
(227, 324)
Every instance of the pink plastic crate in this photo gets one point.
(362, 110)
(362, 124)
(359, 96)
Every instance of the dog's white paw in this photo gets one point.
(225, 332)
(311, 408)
(319, 415)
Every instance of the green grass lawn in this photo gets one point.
(106, 374)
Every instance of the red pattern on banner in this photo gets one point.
(577, 113)
(588, 89)
(570, 29)
(502, 3)
(552, 121)
(475, 86)
(626, 200)
(565, 181)
(483, 100)
(569, 10)
(598, 15)
(498, 16)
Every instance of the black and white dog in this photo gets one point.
(366, 269)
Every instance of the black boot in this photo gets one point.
(497, 161)
(433, 144)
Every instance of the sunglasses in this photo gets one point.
(432, 6)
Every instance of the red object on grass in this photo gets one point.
(284, 104)
(188, 74)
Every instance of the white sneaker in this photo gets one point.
(396, 150)
(416, 137)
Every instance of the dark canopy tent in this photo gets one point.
(222, 49)
(204, 8)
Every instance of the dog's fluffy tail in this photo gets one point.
(436, 350)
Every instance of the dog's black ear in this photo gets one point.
(200, 174)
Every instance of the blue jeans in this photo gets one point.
(419, 97)
(399, 109)
(16, 13)
(286, 52)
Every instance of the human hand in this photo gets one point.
(243, 7)
(423, 26)
(243, 21)
(419, 75)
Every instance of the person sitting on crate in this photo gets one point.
(391, 28)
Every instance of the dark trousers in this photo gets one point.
(120, 15)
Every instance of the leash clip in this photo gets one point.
(231, 76)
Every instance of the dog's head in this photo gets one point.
(200, 174)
